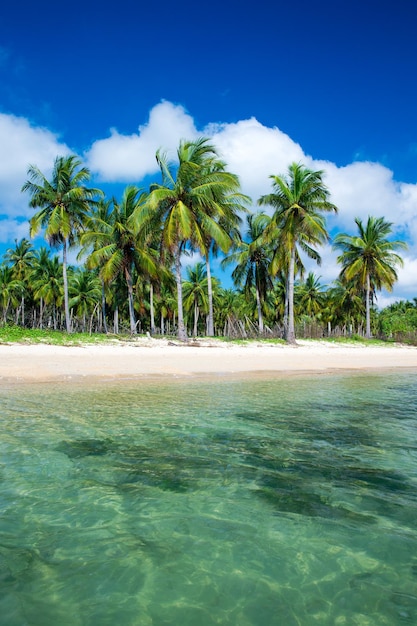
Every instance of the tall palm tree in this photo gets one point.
(116, 248)
(189, 204)
(299, 200)
(369, 258)
(64, 203)
(252, 259)
(225, 205)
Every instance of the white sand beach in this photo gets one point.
(154, 358)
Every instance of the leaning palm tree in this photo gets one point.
(299, 200)
(189, 205)
(64, 203)
(369, 258)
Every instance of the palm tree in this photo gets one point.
(48, 285)
(21, 259)
(311, 295)
(195, 292)
(230, 304)
(117, 248)
(64, 203)
(10, 290)
(299, 200)
(85, 294)
(345, 305)
(369, 259)
(225, 206)
(252, 259)
(99, 218)
(38, 276)
(190, 205)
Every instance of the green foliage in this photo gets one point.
(17, 334)
(400, 317)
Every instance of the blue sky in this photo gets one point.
(331, 84)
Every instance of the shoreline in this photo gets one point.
(154, 359)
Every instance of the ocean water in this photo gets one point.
(252, 502)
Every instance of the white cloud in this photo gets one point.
(253, 151)
(22, 144)
(13, 229)
(128, 158)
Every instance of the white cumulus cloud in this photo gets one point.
(252, 150)
(21, 145)
(127, 158)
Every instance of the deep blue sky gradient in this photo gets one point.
(338, 77)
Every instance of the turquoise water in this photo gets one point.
(248, 503)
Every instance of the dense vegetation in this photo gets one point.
(129, 276)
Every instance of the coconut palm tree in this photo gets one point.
(299, 200)
(195, 292)
(85, 294)
(38, 276)
(190, 204)
(311, 295)
(11, 290)
(226, 206)
(64, 203)
(230, 305)
(369, 258)
(116, 248)
(252, 259)
(21, 259)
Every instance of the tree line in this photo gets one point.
(129, 275)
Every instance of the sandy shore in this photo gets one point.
(154, 358)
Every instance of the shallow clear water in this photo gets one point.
(248, 503)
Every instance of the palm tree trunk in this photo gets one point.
(64, 275)
(103, 306)
(290, 334)
(6, 310)
(259, 307)
(286, 305)
(116, 320)
(210, 328)
(41, 313)
(182, 333)
(196, 316)
(152, 310)
(368, 307)
(129, 283)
